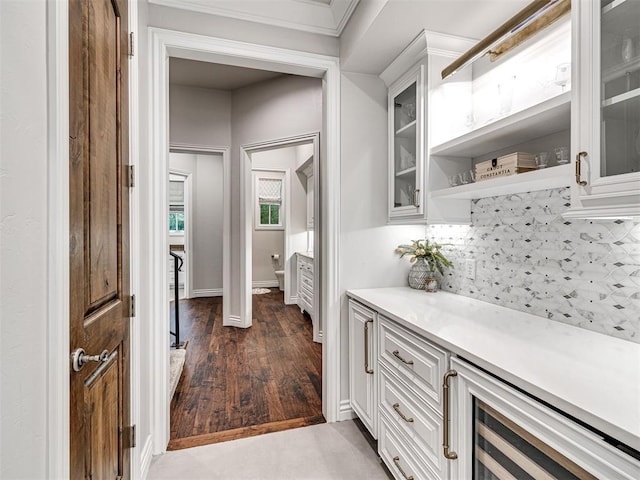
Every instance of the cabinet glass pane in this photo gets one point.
(620, 86)
(502, 450)
(405, 147)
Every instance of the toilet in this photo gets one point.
(280, 277)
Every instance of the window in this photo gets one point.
(268, 190)
(176, 206)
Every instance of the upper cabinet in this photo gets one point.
(406, 144)
(606, 109)
(408, 80)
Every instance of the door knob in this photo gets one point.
(79, 358)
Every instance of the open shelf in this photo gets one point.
(551, 177)
(550, 116)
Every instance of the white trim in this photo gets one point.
(135, 342)
(316, 18)
(58, 416)
(234, 321)
(145, 458)
(346, 412)
(162, 44)
(265, 284)
(207, 292)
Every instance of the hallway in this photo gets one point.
(243, 382)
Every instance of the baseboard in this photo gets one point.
(291, 301)
(265, 283)
(206, 292)
(346, 412)
(145, 458)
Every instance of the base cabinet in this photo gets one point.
(438, 417)
(363, 385)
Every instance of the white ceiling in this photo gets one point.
(214, 75)
(326, 17)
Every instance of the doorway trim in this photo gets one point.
(246, 223)
(167, 43)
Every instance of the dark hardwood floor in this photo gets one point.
(244, 382)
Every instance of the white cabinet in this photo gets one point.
(305, 291)
(407, 144)
(363, 378)
(606, 109)
(410, 405)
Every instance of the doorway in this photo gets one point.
(165, 44)
(296, 160)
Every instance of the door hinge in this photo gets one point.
(131, 436)
(132, 306)
(131, 51)
(131, 173)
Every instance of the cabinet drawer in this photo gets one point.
(307, 281)
(306, 291)
(419, 363)
(417, 421)
(394, 450)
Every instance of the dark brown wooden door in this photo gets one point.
(99, 237)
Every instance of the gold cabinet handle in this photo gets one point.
(416, 198)
(396, 407)
(450, 455)
(396, 354)
(366, 347)
(579, 180)
(396, 461)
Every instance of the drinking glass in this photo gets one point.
(562, 155)
(464, 178)
(454, 180)
(542, 159)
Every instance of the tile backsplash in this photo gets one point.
(528, 257)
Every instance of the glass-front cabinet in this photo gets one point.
(406, 145)
(606, 108)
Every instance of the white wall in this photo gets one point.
(206, 216)
(367, 243)
(199, 116)
(266, 242)
(23, 240)
(279, 108)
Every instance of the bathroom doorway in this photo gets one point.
(279, 206)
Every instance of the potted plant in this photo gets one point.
(427, 259)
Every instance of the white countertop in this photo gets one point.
(594, 377)
(306, 254)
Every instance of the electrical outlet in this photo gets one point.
(470, 269)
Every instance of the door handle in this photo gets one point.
(366, 347)
(579, 180)
(448, 454)
(79, 358)
(416, 198)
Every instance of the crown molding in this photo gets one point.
(302, 15)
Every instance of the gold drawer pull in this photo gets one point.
(396, 461)
(396, 407)
(579, 180)
(448, 454)
(396, 354)
(366, 347)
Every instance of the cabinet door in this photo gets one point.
(606, 108)
(362, 365)
(406, 145)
